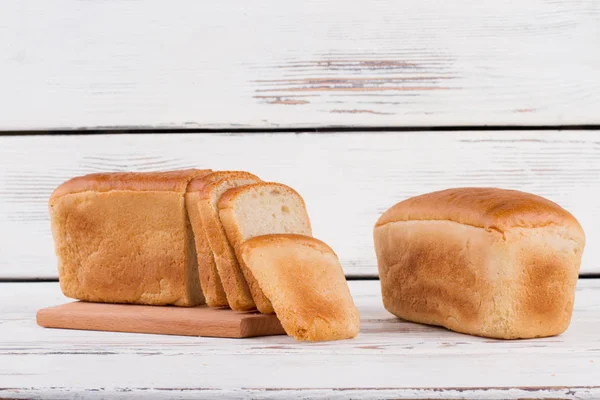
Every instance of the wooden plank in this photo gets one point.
(314, 63)
(389, 359)
(187, 321)
(347, 180)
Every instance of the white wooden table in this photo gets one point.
(389, 359)
(356, 104)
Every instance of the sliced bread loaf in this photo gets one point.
(304, 280)
(260, 209)
(209, 192)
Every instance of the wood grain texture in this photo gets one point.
(192, 321)
(347, 180)
(289, 64)
(389, 359)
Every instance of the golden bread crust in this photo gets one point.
(274, 239)
(167, 181)
(506, 275)
(305, 282)
(488, 208)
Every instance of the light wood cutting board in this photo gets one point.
(186, 321)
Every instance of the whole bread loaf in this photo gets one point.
(126, 238)
(483, 261)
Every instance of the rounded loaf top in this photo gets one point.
(176, 181)
(488, 208)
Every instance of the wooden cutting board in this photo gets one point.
(186, 321)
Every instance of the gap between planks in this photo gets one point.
(235, 129)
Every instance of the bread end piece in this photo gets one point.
(303, 279)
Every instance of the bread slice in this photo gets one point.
(207, 269)
(210, 191)
(304, 280)
(260, 209)
(126, 238)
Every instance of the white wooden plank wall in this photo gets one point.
(272, 63)
(347, 179)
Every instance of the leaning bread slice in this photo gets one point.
(126, 238)
(210, 191)
(260, 209)
(304, 280)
